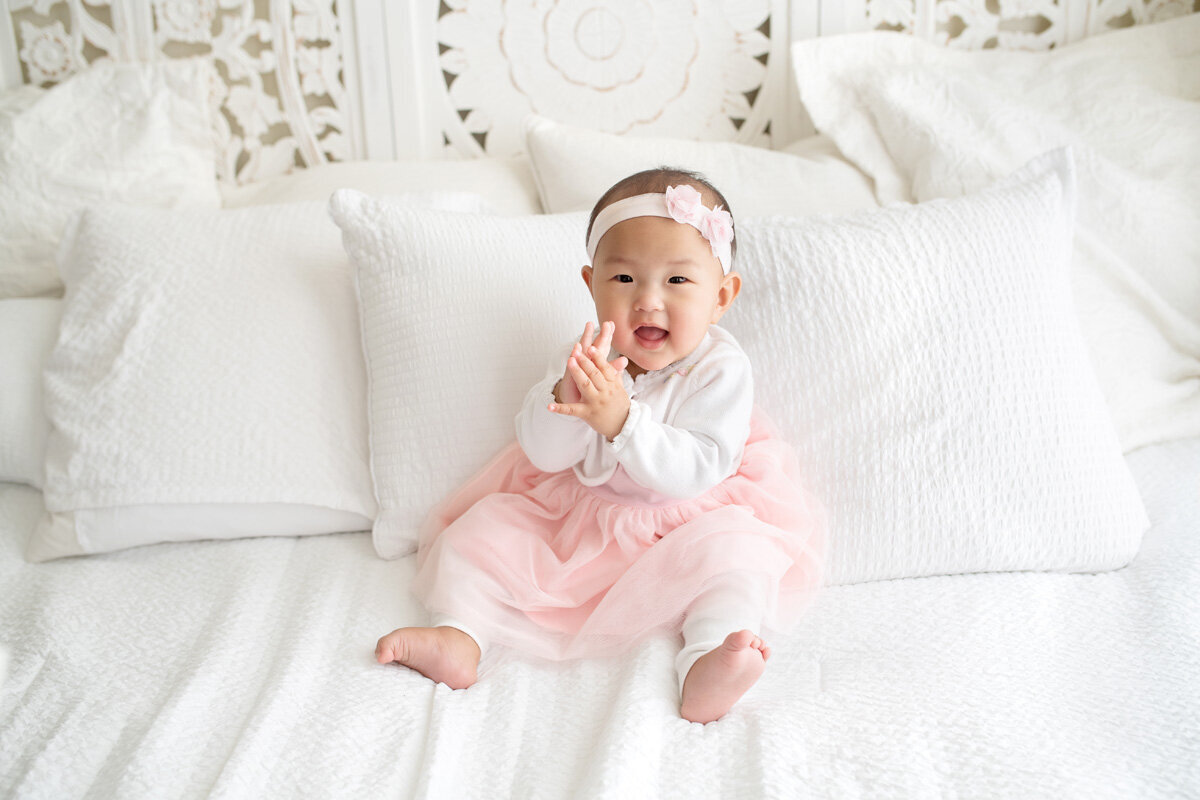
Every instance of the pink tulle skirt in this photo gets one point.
(542, 563)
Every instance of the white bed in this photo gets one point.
(190, 625)
(244, 669)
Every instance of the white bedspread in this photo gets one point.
(244, 669)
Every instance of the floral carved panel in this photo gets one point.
(686, 68)
(279, 100)
(1017, 24)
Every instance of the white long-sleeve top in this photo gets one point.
(685, 432)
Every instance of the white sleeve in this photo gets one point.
(552, 442)
(703, 444)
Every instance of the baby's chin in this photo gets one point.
(640, 365)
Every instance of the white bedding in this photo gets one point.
(244, 669)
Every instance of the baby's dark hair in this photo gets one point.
(657, 180)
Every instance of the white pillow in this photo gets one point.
(935, 384)
(459, 314)
(208, 380)
(574, 166)
(505, 183)
(927, 363)
(130, 133)
(28, 328)
(927, 122)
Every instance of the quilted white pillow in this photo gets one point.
(28, 328)
(208, 380)
(925, 122)
(574, 166)
(459, 314)
(928, 365)
(935, 383)
(140, 134)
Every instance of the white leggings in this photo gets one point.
(733, 603)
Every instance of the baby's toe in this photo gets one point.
(384, 652)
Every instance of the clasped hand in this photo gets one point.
(591, 388)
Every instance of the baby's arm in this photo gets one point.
(703, 444)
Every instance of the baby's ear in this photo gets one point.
(731, 285)
(586, 272)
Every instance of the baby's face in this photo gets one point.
(659, 283)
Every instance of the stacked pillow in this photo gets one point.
(235, 373)
(926, 122)
(811, 179)
(207, 381)
(148, 142)
(935, 383)
(28, 329)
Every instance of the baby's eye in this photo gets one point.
(677, 279)
(624, 278)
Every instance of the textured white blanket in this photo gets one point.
(244, 669)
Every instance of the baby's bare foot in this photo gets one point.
(445, 655)
(722, 675)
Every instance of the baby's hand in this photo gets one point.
(566, 390)
(603, 403)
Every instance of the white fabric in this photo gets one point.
(206, 357)
(99, 530)
(693, 414)
(505, 184)
(139, 134)
(574, 166)
(926, 121)
(28, 328)
(459, 313)
(1015, 685)
(936, 386)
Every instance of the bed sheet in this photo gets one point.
(244, 668)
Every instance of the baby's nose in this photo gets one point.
(648, 299)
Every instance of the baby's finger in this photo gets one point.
(604, 340)
(619, 363)
(567, 409)
(587, 337)
(600, 360)
(591, 366)
(582, 378)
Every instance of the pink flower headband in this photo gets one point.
(680, 203)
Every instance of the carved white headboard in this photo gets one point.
(305, 81)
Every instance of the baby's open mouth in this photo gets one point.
(650, 337)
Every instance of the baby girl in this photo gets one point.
(645, 492)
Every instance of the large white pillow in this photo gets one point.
(929, 122)
(28, 328)
(459, 314)
(208, 380)
(139, 134)
(573, 166)
(928, 365)
(505, 183)
(935, 383)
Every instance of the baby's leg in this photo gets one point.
(722, 657)
(445, 653)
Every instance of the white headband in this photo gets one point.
(680, 203)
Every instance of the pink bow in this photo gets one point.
(715, 224)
